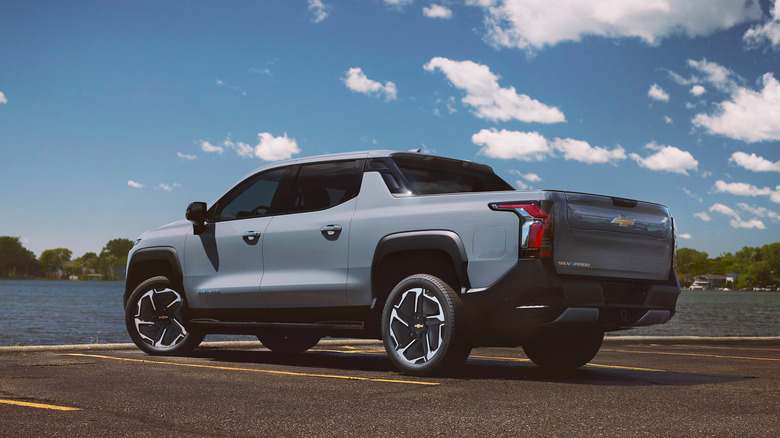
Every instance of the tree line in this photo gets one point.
(755, 266)
(16, 261)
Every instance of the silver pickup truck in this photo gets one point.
(431, 255)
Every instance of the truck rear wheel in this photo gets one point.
(423, 327)
(565, 349)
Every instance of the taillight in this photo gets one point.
(535, 232)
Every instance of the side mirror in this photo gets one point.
(196, 213)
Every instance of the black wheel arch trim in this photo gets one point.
(442, 240)
(164, 254)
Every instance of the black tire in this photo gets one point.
(565, 349)
(423, 327)
(288, 342)
(154, 321)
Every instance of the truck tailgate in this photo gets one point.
(611, 237)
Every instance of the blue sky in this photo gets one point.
(115, 115)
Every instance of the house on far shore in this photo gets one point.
(708, 281)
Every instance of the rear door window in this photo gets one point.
(323, 185)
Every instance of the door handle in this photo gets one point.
(330, 230)
(251, 237)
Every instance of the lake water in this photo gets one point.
(75, 312)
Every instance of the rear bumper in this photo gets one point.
(532, 298)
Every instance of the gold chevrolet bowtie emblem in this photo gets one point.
(623, 221)
(418, 326)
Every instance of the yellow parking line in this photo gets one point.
(696, 354)
(285, 373)
(38, 405)
(517, 359)
(513, 359)
(618, 367)
(350, 352)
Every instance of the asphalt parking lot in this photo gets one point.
(350, 389)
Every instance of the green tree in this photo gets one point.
(15, 259)
(117, 248)
(53, 259)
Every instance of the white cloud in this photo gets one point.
(532, 146)
(668, 120)
(526, 146)
(268, 148)
(3, 99)
(205, 146)
(698, 90)
(186, 156)
(437, 11)
(667, 158)
(222, 83)
(357, 81)
(741, 189)
(736, 220)
(134, 184)
(728, 211)
(766, 32)
(448, 103)
(754, 162)
(532, 177)
(488, 99)
(534, 24)
(584, 152)
(165, 187)
(521, 185)
(272, 148)
(750, 116)
(703, 216)
(686, 236)
(760, 211)
(319, 10)
(719, 76)
(263, 71)
(692, 195)
(657, 93)
(399, 3)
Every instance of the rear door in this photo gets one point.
(306, 250)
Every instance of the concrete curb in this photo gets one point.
(609, 340)
(670, 340)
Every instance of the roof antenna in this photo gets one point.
(418, 150)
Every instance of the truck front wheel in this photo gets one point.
(423, 327)
(154, 321)
(565, 349)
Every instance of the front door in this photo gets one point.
(223, 266)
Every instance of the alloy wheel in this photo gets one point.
(156, 318)
(417, 326)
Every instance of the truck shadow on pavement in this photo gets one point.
(473, 369)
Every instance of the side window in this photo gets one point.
(323, 185)
(252, 198)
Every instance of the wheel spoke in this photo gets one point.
(414, 352)
(400, 331)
